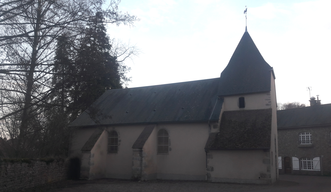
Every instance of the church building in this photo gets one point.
(219, 130)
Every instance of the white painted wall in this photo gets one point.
(238, 166)
(149, 153)
(98, 157)
(79, 138)
(252, 101)
(274, 134)
(187, 158)
(119, 165)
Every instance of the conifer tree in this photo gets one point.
(97, 70)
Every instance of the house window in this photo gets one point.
(112, 142)
(241, 102)
(162, 141)
(305, 138)
(307, 164)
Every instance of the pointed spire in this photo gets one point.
(247, 71)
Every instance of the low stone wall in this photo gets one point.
(22, 174)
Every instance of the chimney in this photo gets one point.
(318, 102)
(312, 101)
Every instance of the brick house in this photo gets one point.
(304, 136)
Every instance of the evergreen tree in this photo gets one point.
(96, 70)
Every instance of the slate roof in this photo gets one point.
(195, 101)
(247, 71)
(144, 135)
(307, 117)
(242, 130)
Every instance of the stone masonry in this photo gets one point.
(22, 174)
(289, 146)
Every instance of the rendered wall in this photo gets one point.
(274, 134)
(79, 138)
(239, 166)
(149, 157)
(186, 159)
(252, 101)
(98, 157)
(119, 165)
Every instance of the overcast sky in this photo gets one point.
(185, 40)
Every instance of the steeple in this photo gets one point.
(247, 71)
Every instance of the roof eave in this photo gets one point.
(146, 123)
(305, 127)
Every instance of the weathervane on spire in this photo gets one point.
(245, 12)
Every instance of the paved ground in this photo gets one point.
(287, 183)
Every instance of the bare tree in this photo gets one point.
(291, 105)
(28, 34)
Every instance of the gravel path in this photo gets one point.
(287, 183)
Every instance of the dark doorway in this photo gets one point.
(287, 165)
(74, 168)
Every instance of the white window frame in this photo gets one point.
(307, 164)
(305, 138)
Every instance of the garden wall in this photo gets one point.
(22, 174)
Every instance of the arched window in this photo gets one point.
(112, 142)
(305, 138)
(162, 141)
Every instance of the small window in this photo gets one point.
(305, 138)
(162, 142)
(112, 142)
(307, 164)
(241, 102)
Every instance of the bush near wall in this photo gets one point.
(18, 174)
